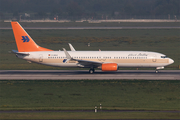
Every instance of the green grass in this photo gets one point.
(85, 94)
(90, 115)
(164, 41)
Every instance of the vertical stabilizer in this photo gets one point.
(23, 41)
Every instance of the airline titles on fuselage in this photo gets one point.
(140, 54)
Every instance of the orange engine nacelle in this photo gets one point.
(109, 67)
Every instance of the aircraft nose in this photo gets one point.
(171, 61)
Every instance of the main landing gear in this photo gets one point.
(156, 71)
(91, 71)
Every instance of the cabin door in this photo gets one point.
(40, 58)
(154, 58)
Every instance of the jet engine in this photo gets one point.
(109, 67)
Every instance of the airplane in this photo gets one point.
(104, 60)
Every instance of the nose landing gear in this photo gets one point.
(158, 68)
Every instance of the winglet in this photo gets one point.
(71, 47)
(67, 54)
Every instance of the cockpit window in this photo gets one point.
(163, 56)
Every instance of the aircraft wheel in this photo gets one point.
(91, 71)
(156, 71)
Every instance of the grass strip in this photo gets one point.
(90, 115)
(86, 94)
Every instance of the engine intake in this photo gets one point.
(109, 67)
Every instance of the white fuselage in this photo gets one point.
(121, 58)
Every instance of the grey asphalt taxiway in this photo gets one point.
(85, 75)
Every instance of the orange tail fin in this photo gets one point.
(24, 42)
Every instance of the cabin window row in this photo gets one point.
(56, 57)
(100, 57)
(76, 57)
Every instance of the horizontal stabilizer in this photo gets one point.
(19, 53)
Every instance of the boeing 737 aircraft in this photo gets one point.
(104, 60)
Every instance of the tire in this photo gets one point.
(91, 71)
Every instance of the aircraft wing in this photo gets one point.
(85, 63)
